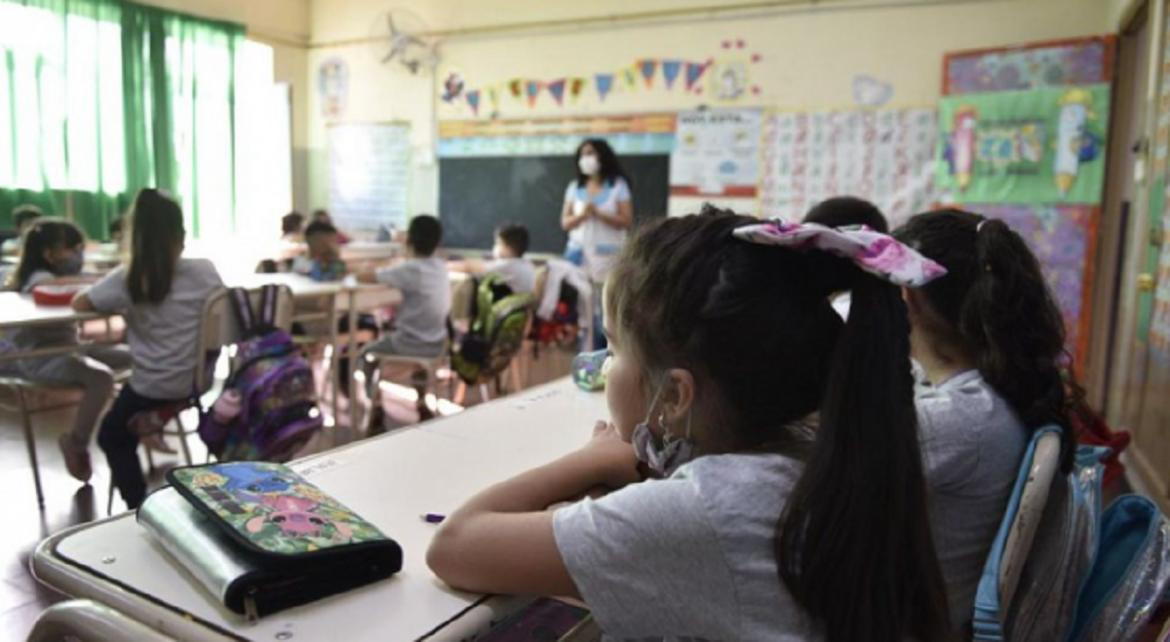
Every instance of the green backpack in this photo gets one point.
(499, 321)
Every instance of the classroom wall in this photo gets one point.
(807, 57)
(283, 25)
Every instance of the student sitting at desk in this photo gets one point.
(322, 216)
(509, 263)
(323, 262)
(291, 228)
(420, 325)
(161, 295)
(53, 255)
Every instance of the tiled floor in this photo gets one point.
(68, 503)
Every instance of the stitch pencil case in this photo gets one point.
(261, 538)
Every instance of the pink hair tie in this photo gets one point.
(878, 254)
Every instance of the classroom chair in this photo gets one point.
(1013, 542)
(90, 621)
(502, 357)
(428, 365)
(25, 391)
(218, 328)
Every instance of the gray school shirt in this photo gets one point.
(973, 444)
(163, 336)
(688, 557)
(516, 273)
(420, 324)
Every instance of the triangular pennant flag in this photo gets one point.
(494, 98)
(630, 76)
(557, 89)
(575, 87)
(533, 91)
(516, 86)
(473, 101)
(670, 69)
(604, 84)
(648, 67)
(694, 72)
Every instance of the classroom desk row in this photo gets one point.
(391, 481)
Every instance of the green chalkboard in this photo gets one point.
(477, 194)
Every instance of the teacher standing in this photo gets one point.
(598, 210)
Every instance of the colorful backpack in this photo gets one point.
(499, 321)
(268, 408)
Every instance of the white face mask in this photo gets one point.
(665, 455)
(589, 164)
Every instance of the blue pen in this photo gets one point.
(433, 518)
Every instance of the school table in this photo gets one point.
(20, 311)
(390, 480)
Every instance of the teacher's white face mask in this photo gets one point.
(589, 165)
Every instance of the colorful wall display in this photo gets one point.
(627, 134)
(1083, 61)
(885, 156)
(1155, 314)
(1033, 146)
(717, 153)
(333, 87)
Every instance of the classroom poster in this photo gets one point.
(1036, 146)
(1083, 61)
(626, 133)
(369, 170)
(1060, 236)
(885, 156)
(717, 153)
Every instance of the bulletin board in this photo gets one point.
(1061, 230)
(885, 156)
(369, 174)
(717, 153)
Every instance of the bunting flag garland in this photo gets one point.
(694, 71)
(533, 91)
(604, 85)
(557, 89)
(575, 87)
(516, 86)
(670, 69)
(630, 77)
(648, 66)
(494, 99)
(473, 101)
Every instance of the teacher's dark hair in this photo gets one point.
(611, 169)
(753, 324)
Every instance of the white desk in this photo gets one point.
(391, 481)
(20, 311)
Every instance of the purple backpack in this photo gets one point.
(268, 408)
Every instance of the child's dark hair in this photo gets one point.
(319, 227)
(322, 215)
(845, 211)
(754, 326)
(997, 305)
(115, 227)
(291, 223)
(514, 236)
(156, 239)
(611, 169)
(424, 234)
(24, 214)
(44, 234)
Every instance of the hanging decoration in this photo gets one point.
(452, 87)
(516, 86)
(473, 101)
(575, 87)
(647, 67)
(670, 69)
(604, 85)
(694, 71)
(630, 76)
(533, 90)
(556, 89)
(333, 87)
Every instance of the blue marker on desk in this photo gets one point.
(433, 518)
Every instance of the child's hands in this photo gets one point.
(618, 466)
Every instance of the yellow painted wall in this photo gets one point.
(808, 56)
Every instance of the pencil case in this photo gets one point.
(59, 295)
(590, 368)
(261, 538)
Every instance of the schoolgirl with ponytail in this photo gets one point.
(763, 454)
(989, 344)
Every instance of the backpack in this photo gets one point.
(563, 326)
(499, 320)
(268, 408)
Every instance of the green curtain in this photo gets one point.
(106, 97)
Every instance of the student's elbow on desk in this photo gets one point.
(82, 302)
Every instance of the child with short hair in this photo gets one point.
(323, 262)
(989, 343)
(161, 296)
(291, 225)
(53, 254)
(743, 527)
(508, 262)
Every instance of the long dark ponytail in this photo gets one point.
(156, 237)
(755, 327)
(997, 302)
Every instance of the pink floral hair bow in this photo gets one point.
(879, 254)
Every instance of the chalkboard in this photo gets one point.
(477, 194)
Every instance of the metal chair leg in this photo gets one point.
(31, 442)
(110, 500)
(183, 440)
